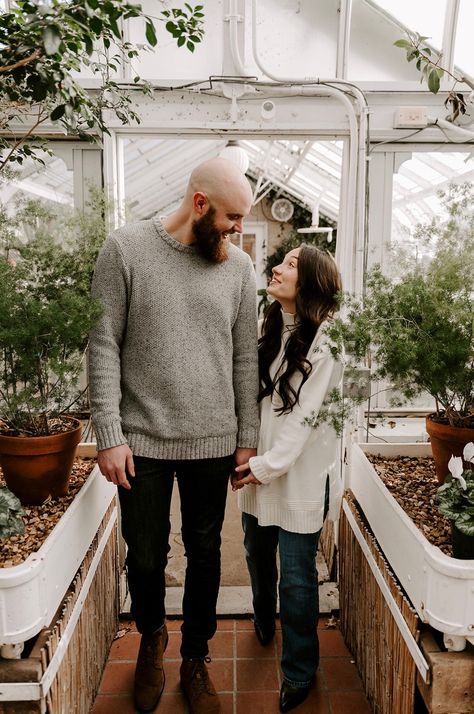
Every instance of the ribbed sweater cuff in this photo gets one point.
(109, 435)
(258, 470)
(247, 438)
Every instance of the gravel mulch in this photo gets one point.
(413, 483)
(40, 520)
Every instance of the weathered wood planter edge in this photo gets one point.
(440, 588)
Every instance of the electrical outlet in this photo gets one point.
(410, 117)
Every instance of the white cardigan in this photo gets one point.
(294, 458)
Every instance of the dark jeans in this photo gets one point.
(298, 590)
(145, 511)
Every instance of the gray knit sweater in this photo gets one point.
(173, 360)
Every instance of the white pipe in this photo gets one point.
(233, 18)
(351, 265)
(343, 38)
(463, 134)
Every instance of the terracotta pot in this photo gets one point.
(36, 466)
(463, 545)
(446, 441)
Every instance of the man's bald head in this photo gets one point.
(220, 180)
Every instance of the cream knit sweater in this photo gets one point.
(293, 458)
(173, 360)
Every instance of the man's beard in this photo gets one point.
(208, 239)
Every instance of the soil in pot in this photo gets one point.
(40, 520)
(413, 483)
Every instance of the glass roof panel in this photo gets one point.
(423, 16)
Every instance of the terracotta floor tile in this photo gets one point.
(174, 625)
(222, 674)
(174, 643)
(257, 702)
(222, 645)
(227, 703)
(126, 647)
(113, 705)
(173, 703)
(248, 684)
(348, 703)
(117, 678)
(249, 646)
(255, 675)
(331, 644)
(226, 624)
(244, 624)
(340, 673)
(172, 676)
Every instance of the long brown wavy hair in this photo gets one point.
(317, 298)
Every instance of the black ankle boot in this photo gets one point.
(291, 697)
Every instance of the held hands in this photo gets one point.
(242, 476)
(116, 464)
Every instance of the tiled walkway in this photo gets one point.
(246, 675)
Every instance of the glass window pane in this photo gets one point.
(463, 56)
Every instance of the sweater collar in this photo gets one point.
(165, 236)
(289, 320)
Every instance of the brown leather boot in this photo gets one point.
(197, 686)
(149, 673)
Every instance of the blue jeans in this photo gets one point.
(298, 590)
(145, 512)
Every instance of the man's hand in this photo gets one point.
(116, 464)
(238, 482)
(242, 455)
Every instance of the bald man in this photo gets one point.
(173, 389)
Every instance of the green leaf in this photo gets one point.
(433, 81)
(181, 41)
(401, 43)
(89, 45)
(96, 25)
(58, 112)
(190, 46)
(51, 39)
(151, 34)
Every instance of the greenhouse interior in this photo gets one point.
(290, 185)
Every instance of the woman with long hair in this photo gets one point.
(294, 480)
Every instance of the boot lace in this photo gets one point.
(200, 676)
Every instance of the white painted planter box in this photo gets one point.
(440, 588)
(31, 592)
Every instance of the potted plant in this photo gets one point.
(417, 330)
(45, 316)
(455, 499)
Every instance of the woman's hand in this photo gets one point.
(242, 476)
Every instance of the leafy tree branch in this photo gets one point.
(44, 44)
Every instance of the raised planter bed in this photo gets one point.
(64, 600)
(30, 593)
(440, 588)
